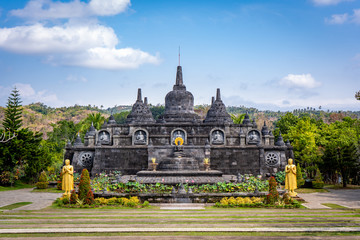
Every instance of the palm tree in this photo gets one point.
(237, 119)
(93, 118)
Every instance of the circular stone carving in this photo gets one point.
(272, 159)
(86, 159)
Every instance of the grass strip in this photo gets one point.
(265, 234)
(18, 185)
(334, 206)
(171, 217)
(48, 190)
(266, 221)
(190, 222)
(15, 205)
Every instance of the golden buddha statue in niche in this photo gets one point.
(67, 178)
(290, 178)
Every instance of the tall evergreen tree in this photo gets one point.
(26, 151)
(12, 121)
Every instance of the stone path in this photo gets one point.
(157, 230)
(349, 198)
(39, 200)
(186, 238)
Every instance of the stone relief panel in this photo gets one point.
(178, 133)
(272, 159)
(217, 137)
(86, 159)
(104, 137)
(140, 137)
(253, 137)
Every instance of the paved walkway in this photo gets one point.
(39, 200)
(349, 198)
(147, 230)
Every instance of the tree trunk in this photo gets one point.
(344, 178)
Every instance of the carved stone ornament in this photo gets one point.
(253, 137)
(104, 137)
(140, 137)
(272, 159)
(86, 159)
(217, 137)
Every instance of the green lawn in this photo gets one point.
(14, 205)
(16, 186)
(50, 190)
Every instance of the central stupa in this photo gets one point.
(179, 103)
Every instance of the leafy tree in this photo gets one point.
(299, 176)
(157, 111)
(12, 121)
(284, 124)
(357, 95)
(63, 131)
(304, 137)
(341, 149)
(121, 117)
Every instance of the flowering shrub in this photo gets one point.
(126, 202)
(84, 186)
(89, 198)
(43, 181)
(273, 195)
(73, 197)
(9, 177)
(240, 202)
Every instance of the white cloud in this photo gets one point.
(345, 18)
(77, 42)
(47, 9)
(72, 78)
(58, 39)
(302, 81)
(28, 94)
(111, 58)
(108, 7)
(25, 90)
(356, 16)
(337, 19)
(328, 2)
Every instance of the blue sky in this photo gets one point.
(277, 55)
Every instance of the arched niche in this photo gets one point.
(140, 136)
(178, 132)
(253, 137)
(104, 137)
(217, 136)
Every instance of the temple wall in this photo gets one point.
(128, 160)
(235, 160)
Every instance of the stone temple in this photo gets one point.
(180, 143)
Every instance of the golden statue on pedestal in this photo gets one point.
(290, 179)
(67, 178)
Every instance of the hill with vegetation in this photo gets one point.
(39, 118)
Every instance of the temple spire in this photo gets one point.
(179, 77)
(139, 98)
(145, 101)
(218, 95)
